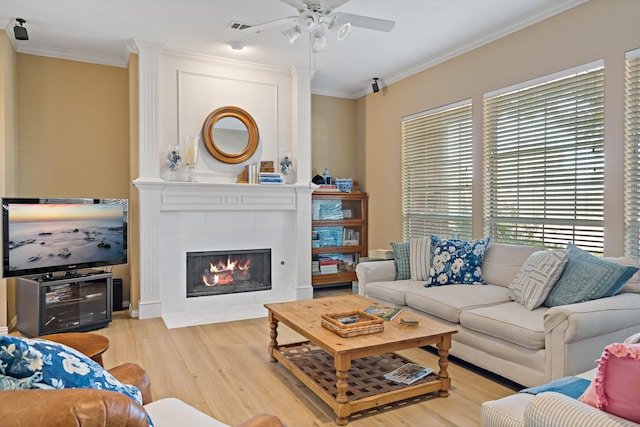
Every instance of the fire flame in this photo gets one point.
(224, 274)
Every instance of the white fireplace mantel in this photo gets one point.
(179, 217)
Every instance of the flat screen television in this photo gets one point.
(46, 236)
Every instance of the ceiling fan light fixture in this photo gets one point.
(292, 34)
(343, 31)
(320, 43)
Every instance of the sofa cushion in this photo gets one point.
(586, 277)
(401, 260)
(534, 281)
(58, 366)
(511, 322)
(393, 291)
(455, 261)
(447, 302)
(618, 378)
(420, 257)
(502, 261)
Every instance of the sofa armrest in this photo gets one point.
(70, 407)
(552, 409)
(134, 374)
(575, 334)
(374, 271)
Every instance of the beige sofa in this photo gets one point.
(503, 336)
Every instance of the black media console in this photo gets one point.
(70, 303)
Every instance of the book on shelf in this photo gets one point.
(323, 188)
(408, 373)
(328, 268)
(350, 237)
(384, 312)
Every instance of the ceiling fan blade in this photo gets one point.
(298, 4)
(366, 22)
(271, 24)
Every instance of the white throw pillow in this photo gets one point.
(532, 284)
(420, 257)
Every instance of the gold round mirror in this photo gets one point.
(230, 134)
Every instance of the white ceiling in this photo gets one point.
(426, 32)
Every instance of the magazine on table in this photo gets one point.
(408, 373)
(383, 312)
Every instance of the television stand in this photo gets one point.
(68, 303)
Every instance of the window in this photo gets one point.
(544, 161)
(437, 172)
(631, 155)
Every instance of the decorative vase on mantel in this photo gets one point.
(286, 167)
(174, 161)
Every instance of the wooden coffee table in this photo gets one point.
(325, 361)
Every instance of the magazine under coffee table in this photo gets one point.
(348, 373)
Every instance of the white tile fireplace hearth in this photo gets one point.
(182, 217)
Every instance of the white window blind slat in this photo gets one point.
(437, 172)
(544, 163)
(631, 157)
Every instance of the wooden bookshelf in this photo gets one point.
(339, 227)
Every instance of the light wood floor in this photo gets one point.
(223, 370)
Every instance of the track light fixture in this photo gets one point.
(20, 32)
(375, 86)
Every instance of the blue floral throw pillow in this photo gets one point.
(38, 363)
(456, 262)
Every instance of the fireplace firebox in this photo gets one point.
(228, 272)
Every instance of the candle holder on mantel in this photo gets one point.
(192, 145)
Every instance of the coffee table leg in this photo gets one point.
(342, 365)
(443, 351)
(273, 344)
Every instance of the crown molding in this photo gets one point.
(481, 41)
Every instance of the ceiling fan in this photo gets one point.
(318, 17)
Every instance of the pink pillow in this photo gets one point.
(618, 378)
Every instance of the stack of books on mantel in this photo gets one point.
(270, 178)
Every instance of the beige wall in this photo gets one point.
(8, 125)
(73, 127)
(334, 137)
(598, 29)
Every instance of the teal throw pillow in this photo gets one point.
(587, 277)
(401, 260)
(456, 262)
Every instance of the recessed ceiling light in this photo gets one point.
(237, 45)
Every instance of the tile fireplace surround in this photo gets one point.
(181, 217)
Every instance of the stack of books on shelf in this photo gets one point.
(327, 210)
(270, 178)
(328, 265)
(325, 188)
(326, 236)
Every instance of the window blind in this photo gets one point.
(631, 156)
(437, 172)
(544, 163)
